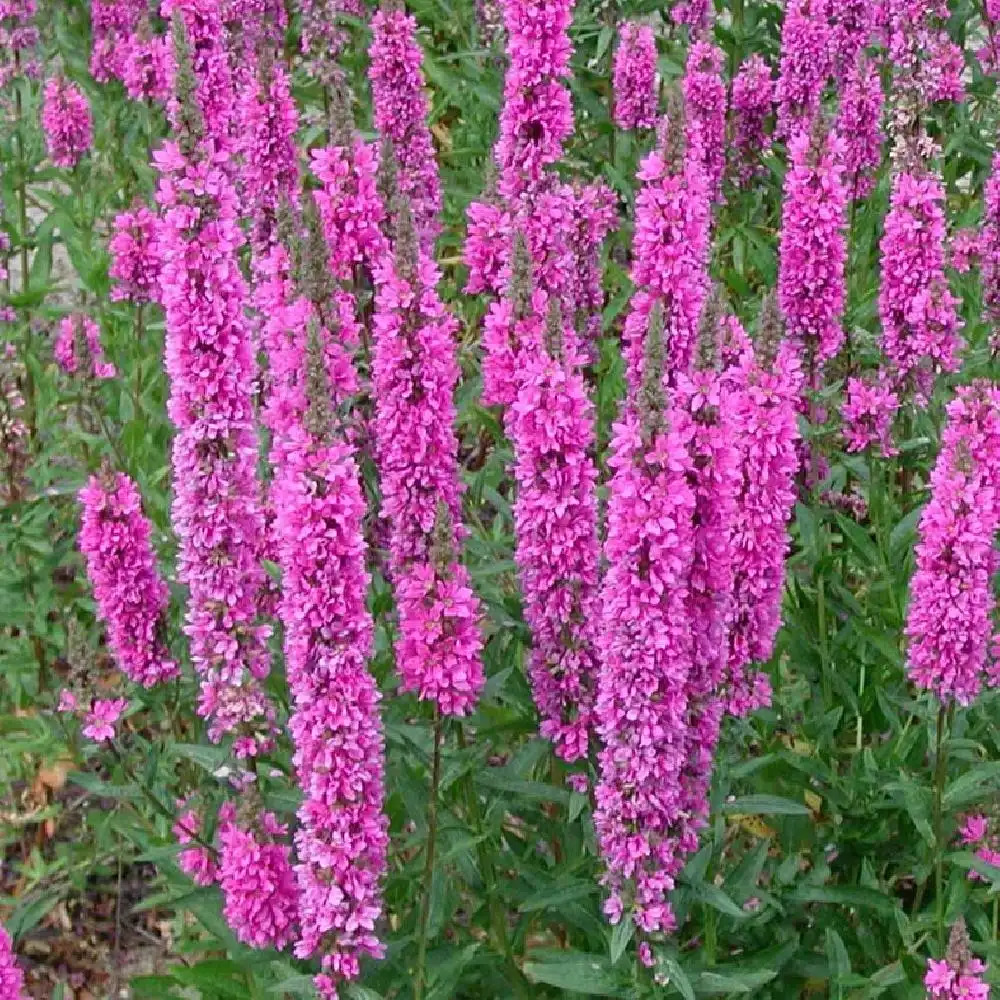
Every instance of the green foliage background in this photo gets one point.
(826, 815)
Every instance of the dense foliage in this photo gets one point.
(500, 499)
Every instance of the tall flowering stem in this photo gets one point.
(635, 86)
(645, 650)
(949, 622)
(753, 103)
(209, 359)
(806, 63)
(989, 251)
(920, 323)
(270, 171)
(669, 252)
(768, 378)
(66, 122)
(715, 478)
(551, 425)
(335, 724)
(131, 596)
(859, 125)
(705, 98)
(537, 114)
(401, 111)
(214, 90)
(813, 253)
(414, 372)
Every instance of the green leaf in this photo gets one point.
(714, 984)
(575, 971)
(713, 896)
(866, 899)
(972, 786)
(621, 934)
(558, 895)
(531, 791)
(764, 805)
(677, 977)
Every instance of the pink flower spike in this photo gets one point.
(11, 976)
(66, 122)
(132, 598)
(635, 83)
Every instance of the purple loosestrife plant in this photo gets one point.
(339, 756)
(669, 250)
(813, 252)
(135, 266)
(66, 122)
(852, 23)
(113, 27)
(752, 105)
(806, 64)
(352, 211)
(705, 101)
(551, 425)
(870, 407)
(989, 253)
(78, 350)
(950, 618)
(696, 14)
(255, 874)
(414, 373)
(216, 512)
(132, 598)
(715, 478)
(645, 648)
(537, 114)
(635, 78)
(920, 324)
(268, 121)
(859, 124)
(768, 378)
(401, 111)
(957, 976)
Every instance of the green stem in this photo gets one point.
(420, 976)
(940, 776)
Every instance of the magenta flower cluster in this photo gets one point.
(920, 324)
(859, 124)
(132, 598)
(78, 350)
(806, 64)
(135, 267)
(11, 977)
(958, 975)
(537, 114)
(869, 409)
(670, 249)
(217, 513)
(414, 373)
(753, 104)
(551, 425)
(705, 99)
(401, 111)
(770, 389)
(950, 619)
(635, 83)
(66, 122)
(813, 248)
